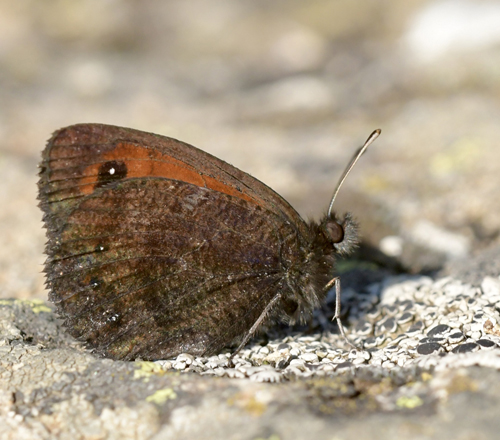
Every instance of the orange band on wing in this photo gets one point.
(145, 162)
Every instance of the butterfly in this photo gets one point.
(157, 248)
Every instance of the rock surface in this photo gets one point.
(285, 91)
(51, 387)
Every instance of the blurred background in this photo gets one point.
(285, 90)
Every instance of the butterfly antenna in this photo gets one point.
(375, 134)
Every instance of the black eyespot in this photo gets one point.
(94, 283)
(334, 231)
(111, 172)
(100, 248)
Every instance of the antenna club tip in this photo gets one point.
(374, 135)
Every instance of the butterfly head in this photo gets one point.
(340, 232)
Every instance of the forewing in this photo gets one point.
(79, 158)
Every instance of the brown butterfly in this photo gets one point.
(156, 248)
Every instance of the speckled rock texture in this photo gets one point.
(437, 378)
(286, 91)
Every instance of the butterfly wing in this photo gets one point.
(78, 159)
(157, 248)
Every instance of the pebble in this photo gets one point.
(321, 354)
(405, 318)
(344, 365)
(373, 314)
(209, 365)
(392, 348)
(390, 310)
(335, 354)
(389, 326)
(429, 348)
(179, 365)
(408, 343)
(165, 365)
(363, 328)
(258, 358)
(491, 286)
(234, 373)
(328, 367)
(430, 340)
(468, 347)
(309, 357)
(401, 360)
(219, 371)
(298, 363)
(486, 343)
(365, 354)
(370, 342)
(475, 335)
(359, 360)
(438, 330)
(476, 327)
(388, 364)
(454, 323)
(186, 358)
(242, 363)
(456, 337)
(416, 327)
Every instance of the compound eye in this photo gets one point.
(334, 231)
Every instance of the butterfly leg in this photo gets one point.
(336, 282)
(257, 323)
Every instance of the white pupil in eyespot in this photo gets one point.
(112, 171)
